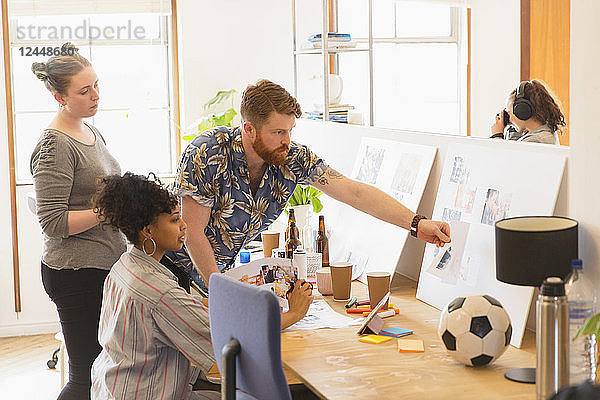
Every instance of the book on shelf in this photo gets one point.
(331, 36)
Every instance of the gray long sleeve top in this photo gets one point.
(65, 173)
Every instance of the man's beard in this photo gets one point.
(274, 157)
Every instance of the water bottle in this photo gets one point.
(552, 339)
(582, 303)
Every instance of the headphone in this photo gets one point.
(522, 107)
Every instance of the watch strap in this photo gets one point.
(414, 225)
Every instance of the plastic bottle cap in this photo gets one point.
(244, 257)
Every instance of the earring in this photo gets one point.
(144, 246)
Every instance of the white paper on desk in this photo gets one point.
(321, 315)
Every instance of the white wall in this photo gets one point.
(584, 196)
(228, 44)
(495, 59)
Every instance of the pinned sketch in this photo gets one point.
(465, 197)
(446, 262)
(402, 172)
(477, 188)
(370, 164)
(451, 215)
(496, 206)
(405, 175)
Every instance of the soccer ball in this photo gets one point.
(475, 330)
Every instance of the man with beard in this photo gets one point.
(235, 182)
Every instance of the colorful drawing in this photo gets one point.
(465, 197)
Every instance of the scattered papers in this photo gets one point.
(410, 346)
(321, 315)
(375, 339)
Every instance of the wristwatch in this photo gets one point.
(414, 226)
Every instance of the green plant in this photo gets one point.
(591, 327)
(306, 195)
(210, 118)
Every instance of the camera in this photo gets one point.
(505, 118)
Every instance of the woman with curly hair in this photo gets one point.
(155, 336)
(535, 113)
(67, 161)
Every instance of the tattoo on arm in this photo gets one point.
(330, 174)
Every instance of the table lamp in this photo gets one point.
(530, 249)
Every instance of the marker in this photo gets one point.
(362, 302)
(351, 302)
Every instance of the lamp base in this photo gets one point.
(523, 375)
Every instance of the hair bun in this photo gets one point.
(64, 49)
(40, 70)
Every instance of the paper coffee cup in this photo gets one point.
(270, 241)
(341, 276)
(379, 285)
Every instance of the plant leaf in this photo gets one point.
(591, 327)
(317, 206)
(221, 97)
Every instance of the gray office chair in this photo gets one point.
(245, 326)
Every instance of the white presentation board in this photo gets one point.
(480, 185)
(399, 169)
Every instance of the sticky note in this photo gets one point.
(374, 339)
(410, 345)
(396, 331)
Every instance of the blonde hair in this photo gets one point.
(56, 73)
(260, 100)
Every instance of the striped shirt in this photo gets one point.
(151, 331)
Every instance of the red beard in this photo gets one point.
(275, 157)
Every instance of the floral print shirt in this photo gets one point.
(213, 170)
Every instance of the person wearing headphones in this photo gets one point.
(535, 113)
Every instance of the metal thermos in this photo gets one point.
(552, 339)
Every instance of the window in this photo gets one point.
(419, 62)
(129, 48)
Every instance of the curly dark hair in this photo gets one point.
(131, 202)
(546, 107)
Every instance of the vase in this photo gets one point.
(303, 215)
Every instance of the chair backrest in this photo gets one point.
(251, 315)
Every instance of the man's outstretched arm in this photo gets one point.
(380, 205)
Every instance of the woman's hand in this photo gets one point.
(435, 232)
(299, 300)
(498, 125)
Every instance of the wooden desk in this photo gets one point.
(335, 365)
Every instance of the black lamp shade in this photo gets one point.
(530, 249)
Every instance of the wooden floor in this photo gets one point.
(23, 370)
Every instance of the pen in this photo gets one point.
(384, 313)
(351, 302)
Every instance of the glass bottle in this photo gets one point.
(292, 242)
(291, 218)
(322, 242)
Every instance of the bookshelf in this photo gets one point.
(331, 54)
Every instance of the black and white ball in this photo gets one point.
(475, 330)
